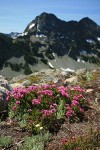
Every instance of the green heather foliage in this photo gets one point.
(61, 110)
(35, 142)
(44, 104)
(5, 141)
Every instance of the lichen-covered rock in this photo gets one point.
(81, 71)
(26, 83)
(71, 80)
(4, 87)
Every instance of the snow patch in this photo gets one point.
(89, 40)
(68, 70)
(40, 35)
(98, 38)
(25, 33)
(22, 34)
(83, 52)
(38, 28)
(32, 25)
(83, 61)
(50, 65)
(53, 54)
(78, 60)
(37, 35)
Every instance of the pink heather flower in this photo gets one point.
(64, 93)
(36, 101)
(48, 112)
(8, 98)
(69, 113)
(17, 102)
(45, 86)
(61, 88)
(76, 97)
(53, 110)
(51, 106)
(52, 86)
(54, 104)
(82, 110)
(47, 92)
(29, 110)
(80, 96)
(68, 107)
(14, 108)
(79, 89)
(75, 103)
(18, 93)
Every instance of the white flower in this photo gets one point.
(41, 128)
(37, 125)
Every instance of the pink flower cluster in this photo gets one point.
(69, 112)
(36, 101)
(18, 102)
(49, 112)
(74, 103)
(63, 91)
(17, 93)
(47, 92)
(14, 108)
(78, 89)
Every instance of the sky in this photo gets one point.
(15, 15)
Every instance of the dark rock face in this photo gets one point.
(88, 29)
(65, 37)
(50, 24)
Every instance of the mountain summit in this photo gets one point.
(47, 40)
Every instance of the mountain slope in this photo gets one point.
(48, 39)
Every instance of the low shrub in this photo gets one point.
(44, 104)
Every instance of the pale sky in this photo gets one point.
(16, 14)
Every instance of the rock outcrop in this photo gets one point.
(4, 87)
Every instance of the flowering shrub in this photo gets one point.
(42, 104)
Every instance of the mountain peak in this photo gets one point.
(47, 16)
(44, 14)
(87, 20)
